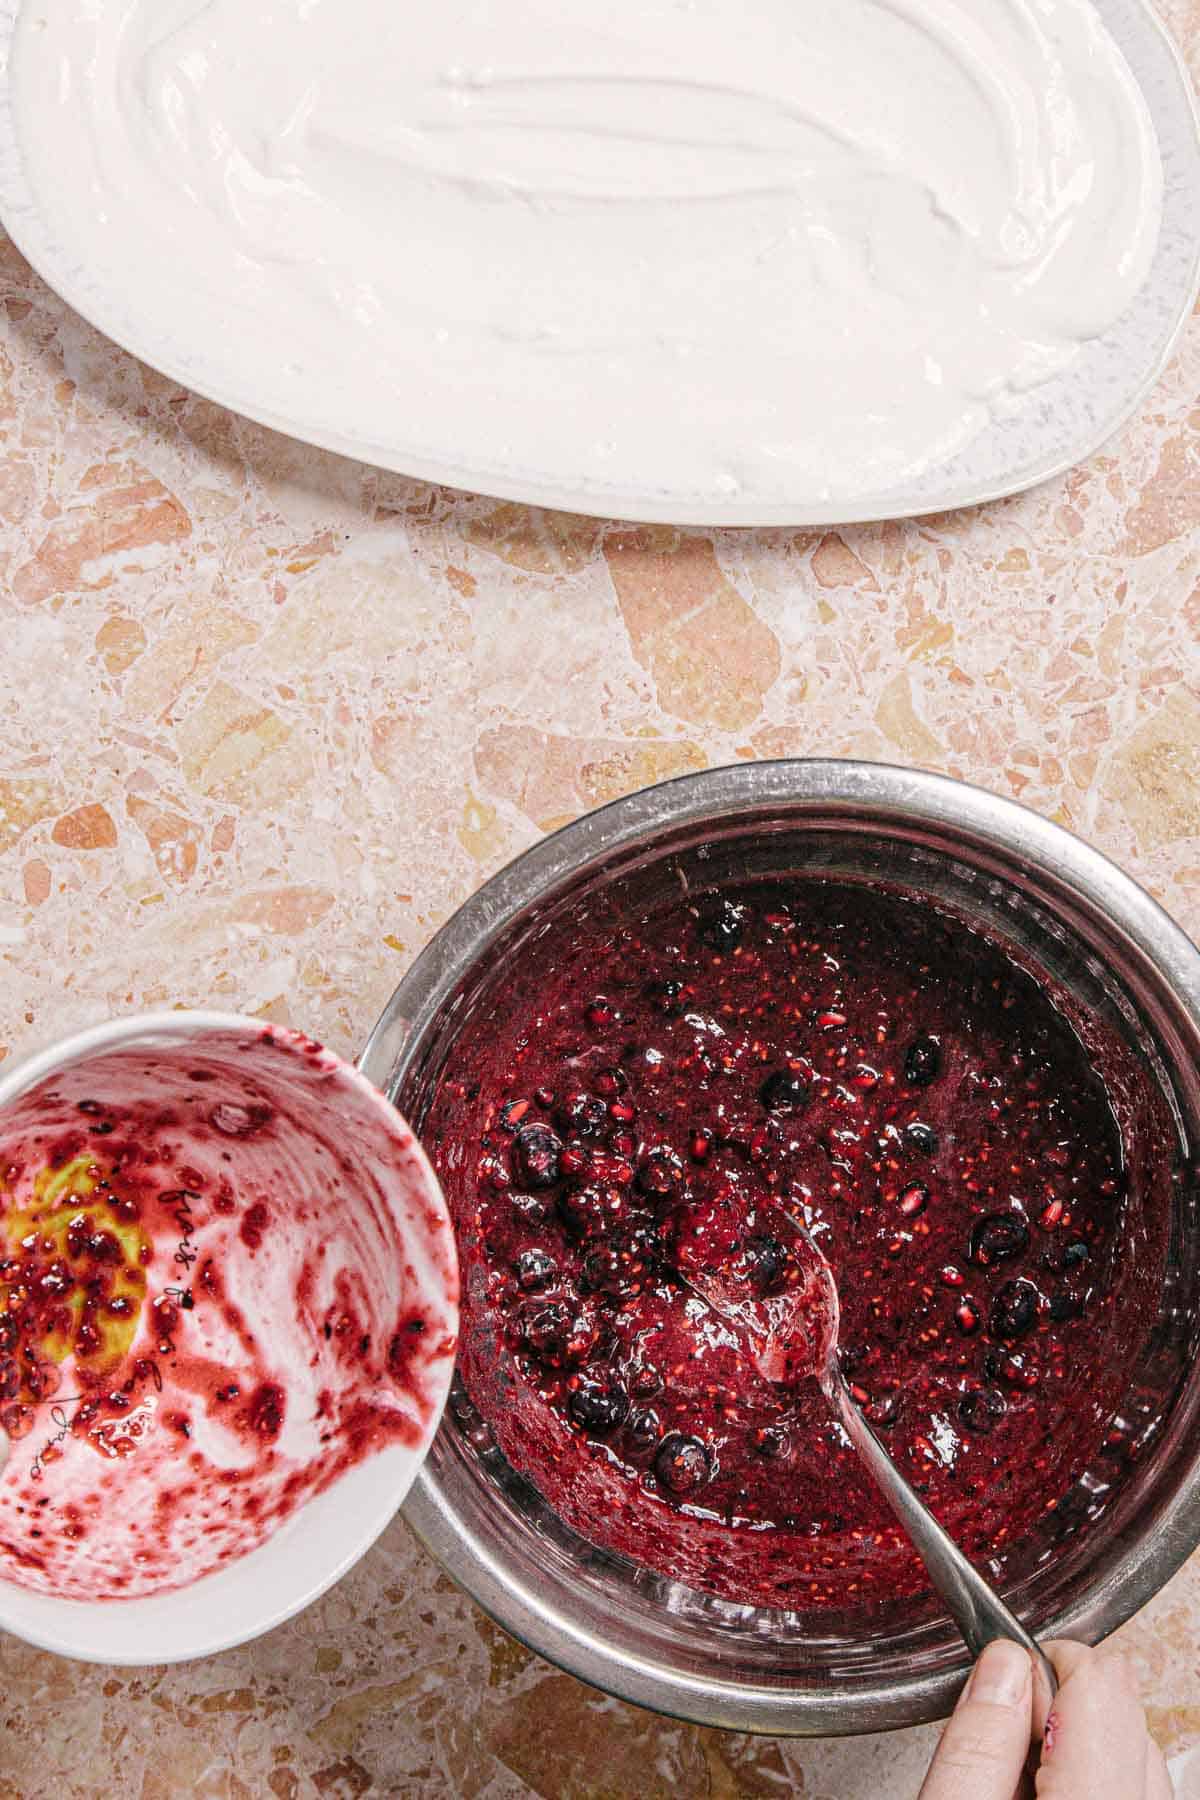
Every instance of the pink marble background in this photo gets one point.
(268, 716)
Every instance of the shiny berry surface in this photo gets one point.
(687, 1085)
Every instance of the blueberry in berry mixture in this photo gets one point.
(720, 924)
(981, 1409)
(536, 1156)
(1014, 1310)
(683, 1465)
(767, 1261)
(598, 1406)
(627, 1131)
(582, 1114)
(535, 1269)
(921, 1138)
(997, 1237)
(923, 1062)
(783, 1092)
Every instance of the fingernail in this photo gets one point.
(1002, 1674)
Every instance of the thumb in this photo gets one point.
(984, 1746)
(1096, 1739)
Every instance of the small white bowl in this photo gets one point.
(318, 1543)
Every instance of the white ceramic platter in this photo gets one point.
(1059, 424)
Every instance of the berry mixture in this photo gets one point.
(627, 1135)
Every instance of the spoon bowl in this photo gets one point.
(794, 1335)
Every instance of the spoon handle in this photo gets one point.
(976, 1608)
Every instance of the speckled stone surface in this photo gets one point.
(268, 717)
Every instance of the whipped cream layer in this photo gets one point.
(713, 247)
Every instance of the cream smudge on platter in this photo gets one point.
(221, 1287)
(732, 248)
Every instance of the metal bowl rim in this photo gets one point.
(880, 793)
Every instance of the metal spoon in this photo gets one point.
(797, 1335)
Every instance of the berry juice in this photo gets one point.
(632, 1124)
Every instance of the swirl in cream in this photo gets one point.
(721, 246)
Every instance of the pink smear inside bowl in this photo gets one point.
(227, 1281)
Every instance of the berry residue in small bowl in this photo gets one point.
(226, 1282)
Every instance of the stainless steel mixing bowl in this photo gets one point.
(1131, 1519)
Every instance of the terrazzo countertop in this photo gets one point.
(268, 716)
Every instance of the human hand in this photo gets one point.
(1096, 1745)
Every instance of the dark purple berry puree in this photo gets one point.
(223, 1282)
(625, 1135)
